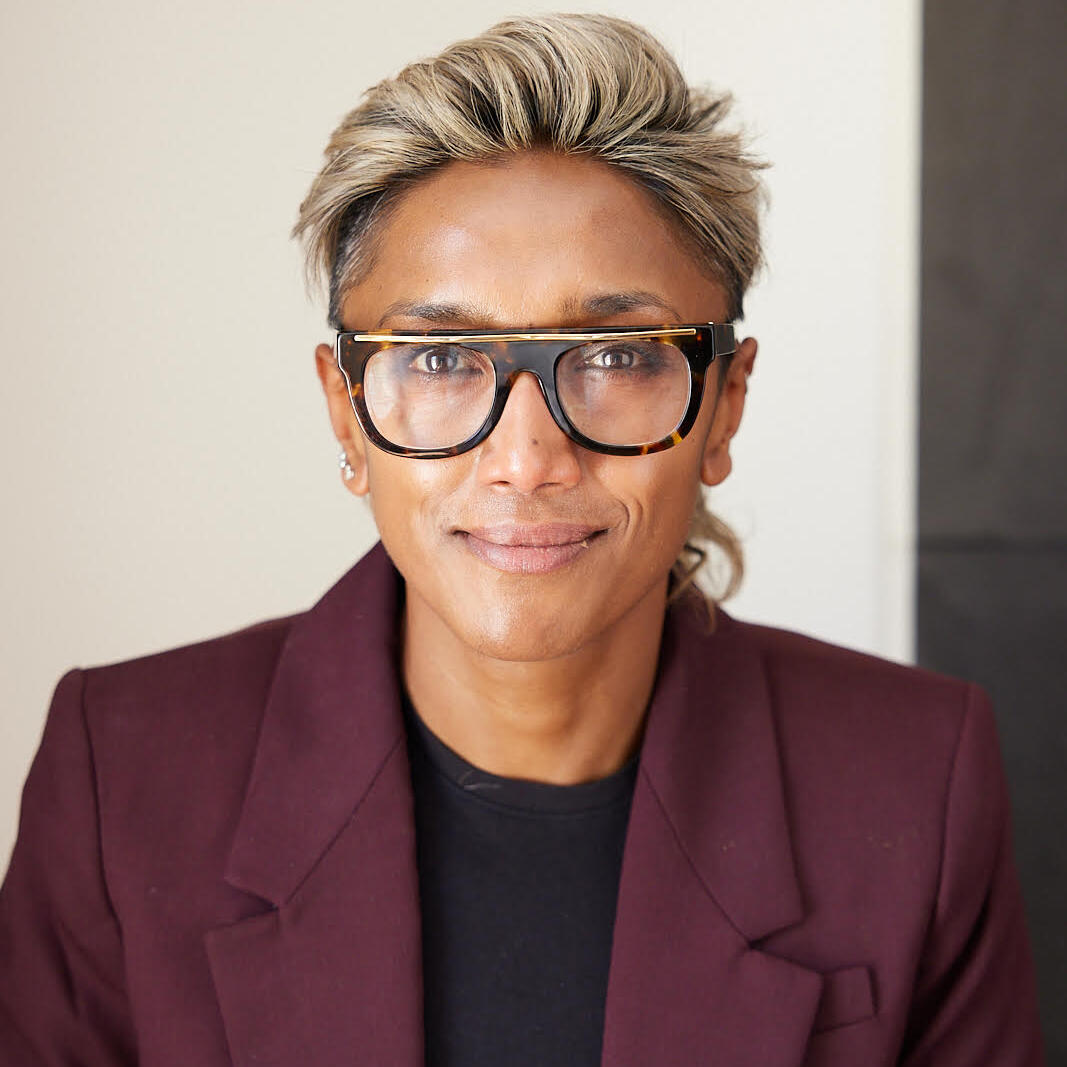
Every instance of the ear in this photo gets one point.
(716, 463)
(343, 419)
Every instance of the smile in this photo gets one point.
(529, 548)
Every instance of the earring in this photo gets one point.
(346, 468)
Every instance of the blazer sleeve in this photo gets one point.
(975, 999)
(62, 989)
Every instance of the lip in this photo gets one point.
(529, 548)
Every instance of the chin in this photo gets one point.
(513, 635)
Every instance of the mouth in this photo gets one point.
(530, 548)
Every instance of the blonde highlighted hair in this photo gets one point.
(573, 83)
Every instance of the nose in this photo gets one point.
(527, 451)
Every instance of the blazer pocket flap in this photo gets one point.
(847, 997)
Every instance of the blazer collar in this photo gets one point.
(332, 972)
(331, 721)
(711, 757)
(326, 836)
(709, 753)
(708, 870)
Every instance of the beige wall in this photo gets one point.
(167, 469)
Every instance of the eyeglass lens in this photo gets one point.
(616, 392)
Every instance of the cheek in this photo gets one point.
(409, 500)
(398, 494)
(659, 493)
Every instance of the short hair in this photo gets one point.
(583, 84)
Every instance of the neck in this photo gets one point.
(574, 718)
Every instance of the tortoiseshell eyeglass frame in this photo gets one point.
(537, 351)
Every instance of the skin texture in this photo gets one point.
(534, 663)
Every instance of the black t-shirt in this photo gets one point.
(518, 883)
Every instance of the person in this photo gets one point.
(514, 791)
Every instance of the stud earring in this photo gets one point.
(346, 468)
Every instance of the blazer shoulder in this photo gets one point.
(230, 659)
(812, 678)
(171, 738)
(214, 691)
(788, 650)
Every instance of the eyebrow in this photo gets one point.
(463, 315)
(439, 313)
(618, 303)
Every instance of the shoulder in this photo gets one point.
(814, 682)
(899, 828)
(234, 669)
(803, 659)
(158, 750)
(214, 690)
(864, 739)
(235, 672)
(901, 753)
(194, 714)
(174, 728)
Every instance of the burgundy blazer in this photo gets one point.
(216, 865)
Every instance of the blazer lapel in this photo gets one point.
(708, 872)
(330, 972)
(327, 970)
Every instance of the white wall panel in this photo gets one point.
(168, 471)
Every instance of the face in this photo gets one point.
(530, 547)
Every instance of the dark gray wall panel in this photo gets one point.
(1000, 618)
(992, 601)
(994, 285)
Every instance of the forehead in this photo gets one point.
(530, 241)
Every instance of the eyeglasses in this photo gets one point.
(623, 391)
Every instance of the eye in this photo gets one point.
(437, 360)
(618, 357)
(613, 359)
(443, 360)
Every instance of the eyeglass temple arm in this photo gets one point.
(722, 338)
